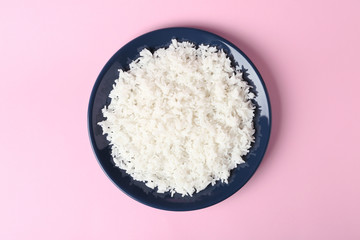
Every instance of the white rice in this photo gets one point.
(180, 118)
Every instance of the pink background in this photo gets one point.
(307, 186)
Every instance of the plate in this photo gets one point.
(137, 190)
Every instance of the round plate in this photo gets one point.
(137, 190)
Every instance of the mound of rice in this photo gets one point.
(180, 118)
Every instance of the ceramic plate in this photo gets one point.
(137, 190)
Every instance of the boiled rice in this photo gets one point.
(180, 118)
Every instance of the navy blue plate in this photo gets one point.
(137, 190)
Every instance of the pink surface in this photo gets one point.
(307, 186)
